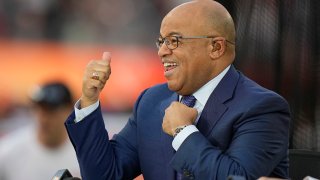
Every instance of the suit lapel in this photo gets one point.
(211, 114)
(215, 106)
(167, 148)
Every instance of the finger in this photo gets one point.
(95, 75)
(97, 68)
(98, 65)
(105, 70)
(102, 76)
(96, 84)
(106, 57)
(98, 80)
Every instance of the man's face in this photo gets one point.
(51, 131)
(188, 67)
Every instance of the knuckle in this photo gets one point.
(95, 82)
(91, 63)
(173, 104)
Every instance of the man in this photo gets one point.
(235, 126)
(38, 151)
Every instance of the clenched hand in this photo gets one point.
(178, 114)
(95, 77)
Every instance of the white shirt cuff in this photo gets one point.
(182, 135)
(84, 112)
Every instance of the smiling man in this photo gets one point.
(208, 121)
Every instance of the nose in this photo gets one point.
(164, 50)
(43, 116)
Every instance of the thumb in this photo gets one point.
(106, 57)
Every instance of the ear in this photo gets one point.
(217, 48)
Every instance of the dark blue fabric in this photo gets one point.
(189, 101)
(246, 130)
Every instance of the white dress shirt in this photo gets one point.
(202, 96)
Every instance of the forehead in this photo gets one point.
(182, 22)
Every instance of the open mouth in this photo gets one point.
(169, 66)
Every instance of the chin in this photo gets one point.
(176, 89)
(172, 87)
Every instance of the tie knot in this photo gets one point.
(188, 100)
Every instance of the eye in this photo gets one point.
(167, 40)
(159, 41)
(173, 40)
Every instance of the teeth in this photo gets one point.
(169, 64)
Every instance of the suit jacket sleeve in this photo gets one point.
(99, 157)
(259, 142)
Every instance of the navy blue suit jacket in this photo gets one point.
(243, 131)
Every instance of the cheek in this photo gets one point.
(190, 67)
(196, 69)
(186, 70)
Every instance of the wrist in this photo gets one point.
(85, 102)
(178, 130)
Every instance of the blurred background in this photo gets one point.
(278, 45)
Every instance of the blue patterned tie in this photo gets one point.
(189, 101)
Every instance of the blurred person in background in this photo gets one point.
(38, 151)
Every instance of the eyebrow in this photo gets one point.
(171, 34)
